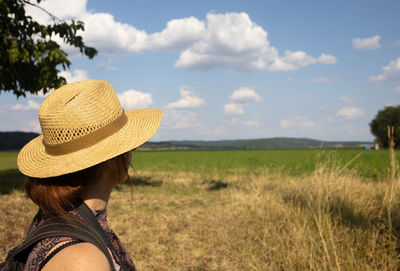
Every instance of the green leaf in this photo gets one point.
(29, 58)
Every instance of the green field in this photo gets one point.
(8, 160)
(365, 163)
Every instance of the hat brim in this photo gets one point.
(34, 161)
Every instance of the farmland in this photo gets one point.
(367, 164)
(245, 210)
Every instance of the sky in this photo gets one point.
(235, 69)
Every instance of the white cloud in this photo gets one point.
(241, 98)
(345, 99)
(178, 35)
(178, 114)
(76, 75)
(367, 43)
(39, 94)
(188, 100)
(295, 60)
(292, 61)
(245, 123)
(350, 112)
(34, 126)
(234, 109)
(30, 106)
(397, 89)
(321, 80)
(229, 39)
(111, 37)
(390, 72)
(67, 9)
(180, 119)
(245, 95)
(298, 122)
(135, 99)
(101, 29)
(327, 59)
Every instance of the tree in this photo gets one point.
(29, 58)
(389, 116)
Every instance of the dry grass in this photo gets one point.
(328, 220)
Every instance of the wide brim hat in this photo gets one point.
(83, 124)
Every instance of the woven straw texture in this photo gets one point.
(83, 124)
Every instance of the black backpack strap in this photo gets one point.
(35, 218)
(59, 226)
(87, 214)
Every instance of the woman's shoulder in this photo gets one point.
(42, 249)
(81, 257)
(62, 251)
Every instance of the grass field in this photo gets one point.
(366, 163)
(8, 160)
(245, 210)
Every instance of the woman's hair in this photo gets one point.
(55, 196)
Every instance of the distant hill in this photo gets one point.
(11, 141)
(249, 144)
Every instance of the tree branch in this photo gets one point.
(53, 17)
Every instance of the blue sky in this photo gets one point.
(236, 69)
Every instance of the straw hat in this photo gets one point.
(83, 124)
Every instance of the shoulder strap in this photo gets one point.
(87, 214)
(58, 226)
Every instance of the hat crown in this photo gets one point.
(78, 109)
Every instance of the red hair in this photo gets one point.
(55, 196)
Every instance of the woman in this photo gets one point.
(85, 151)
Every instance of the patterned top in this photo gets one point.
(39, 252)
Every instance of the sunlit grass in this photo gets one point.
(183, 221)
(329, 219)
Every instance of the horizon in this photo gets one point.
(227, 139)
(232, 70)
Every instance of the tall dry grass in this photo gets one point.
(328, 220)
